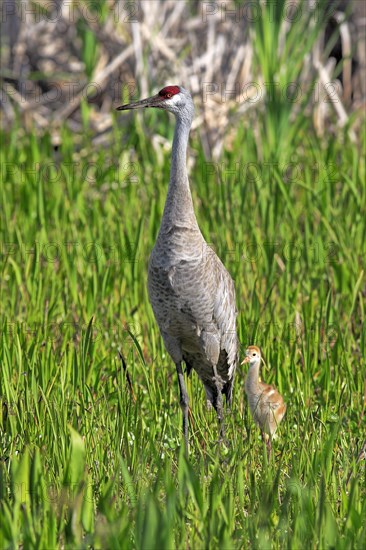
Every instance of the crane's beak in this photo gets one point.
(154, 101)
(246, 360)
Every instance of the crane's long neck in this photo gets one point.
(252, 381)
(178, 209)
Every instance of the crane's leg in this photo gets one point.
(184, 402)
(219, 405)
(269, 447)
(268, 441)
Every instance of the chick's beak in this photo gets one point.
(246, 360)
(154, 101)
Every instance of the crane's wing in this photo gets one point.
(225, 313)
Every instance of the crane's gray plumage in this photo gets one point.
(191, 292)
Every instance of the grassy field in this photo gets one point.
(87, 460)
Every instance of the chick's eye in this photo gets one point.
(254, 354)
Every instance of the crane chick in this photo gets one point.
(265, 402)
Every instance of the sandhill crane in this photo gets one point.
(191, 293)
(265, 402)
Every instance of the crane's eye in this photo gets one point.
(168, 95)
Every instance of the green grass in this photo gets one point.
(86, 463)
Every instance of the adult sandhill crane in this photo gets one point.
(191, 293)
